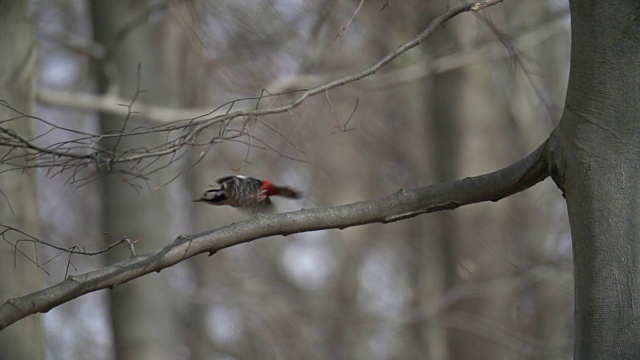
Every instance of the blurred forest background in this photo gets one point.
(488, 281)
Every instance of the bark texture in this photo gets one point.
(597, 157)
(18, 206)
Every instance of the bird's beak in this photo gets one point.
(197, 200)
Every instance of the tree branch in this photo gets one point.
(111, 104)
(401, 205)
(90, 151)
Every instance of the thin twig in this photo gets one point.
(82, 152)
(73, 250)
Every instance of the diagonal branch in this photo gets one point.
(89, 151)
(401, 205)
(159, 114)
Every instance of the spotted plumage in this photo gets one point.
(246, 193)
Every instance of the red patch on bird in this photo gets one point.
(268, 189)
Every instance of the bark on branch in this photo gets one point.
(403, 204)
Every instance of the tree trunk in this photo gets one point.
(143, 314)
(18, 71)
(597, 163)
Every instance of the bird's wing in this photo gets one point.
(225, 179)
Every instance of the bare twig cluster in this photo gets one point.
(15, 238)
(88, 155)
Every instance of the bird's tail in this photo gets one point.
(288, 192)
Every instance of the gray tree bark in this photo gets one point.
(597, 162)
(18, 206)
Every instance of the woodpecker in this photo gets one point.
(246, 193)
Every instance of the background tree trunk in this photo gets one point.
(143, 314)
(18, 205)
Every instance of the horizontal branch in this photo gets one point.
(112, 104)
(401, 205)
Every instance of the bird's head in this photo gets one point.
(212, 196)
